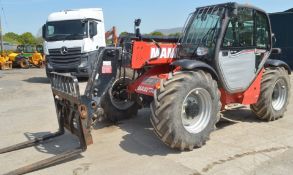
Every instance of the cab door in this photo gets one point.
(240, 58)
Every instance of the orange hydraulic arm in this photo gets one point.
(113, 33)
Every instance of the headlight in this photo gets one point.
(201, 51)
(84, 61)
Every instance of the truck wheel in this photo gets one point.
(47, 73)
(186, 109)
(115, 102)
(274, 94)
(24, 64)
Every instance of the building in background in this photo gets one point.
(282, 27)
(9, 46)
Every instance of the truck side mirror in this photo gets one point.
(274, 39)
(93, 29)
(44, 31)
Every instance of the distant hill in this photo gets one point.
(169, 31)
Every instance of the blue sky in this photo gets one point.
(29, 15)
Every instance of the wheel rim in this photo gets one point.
(279, 96)
(119, 94)
(23, 64)
(196, 110)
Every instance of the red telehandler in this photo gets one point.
(221, 58)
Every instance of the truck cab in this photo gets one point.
(72, 39)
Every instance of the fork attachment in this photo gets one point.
(71, 113)
(75, 112)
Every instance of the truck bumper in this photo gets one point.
(83, 72)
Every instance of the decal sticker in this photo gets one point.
(145, 89)
(165, 52)
(107, 67)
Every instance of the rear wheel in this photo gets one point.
(24, 64)
(274, 95)
(116, 103)
(186, 109)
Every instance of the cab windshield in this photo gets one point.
(66, 30)
(201, 30)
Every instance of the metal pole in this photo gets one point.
(1, 36)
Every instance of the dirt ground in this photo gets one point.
(248, 146)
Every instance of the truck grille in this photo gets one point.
(69, 60)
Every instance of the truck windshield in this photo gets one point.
(201, 30)
(66, 30)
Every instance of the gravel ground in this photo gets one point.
(248, 146)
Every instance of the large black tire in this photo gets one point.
(115, 111)
(266, 108)
(47, 73)
(24, 64)
(168, 106)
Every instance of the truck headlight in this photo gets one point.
(84, 61)
(201, 51)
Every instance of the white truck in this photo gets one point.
(72, 39)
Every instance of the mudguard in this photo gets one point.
(277, 63)
(187, 64)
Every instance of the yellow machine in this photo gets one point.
(26, 56)
(18, 60)
(37, 59)
(12, 56)
(5, 62)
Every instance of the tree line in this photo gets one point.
(156, 33)
(29, 39)
(25, 38)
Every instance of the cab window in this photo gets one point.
(262, 31)
(240, 30)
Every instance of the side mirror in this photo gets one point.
(137, 22)
(136, 27)
(44, 31)
(93, 29)
(274, 39)
(276, 51)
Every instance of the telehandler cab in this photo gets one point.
(221, 58)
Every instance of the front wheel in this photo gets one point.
(274, 94)
(186, 109)
(116, 103)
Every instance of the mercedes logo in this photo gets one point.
(63, 50)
